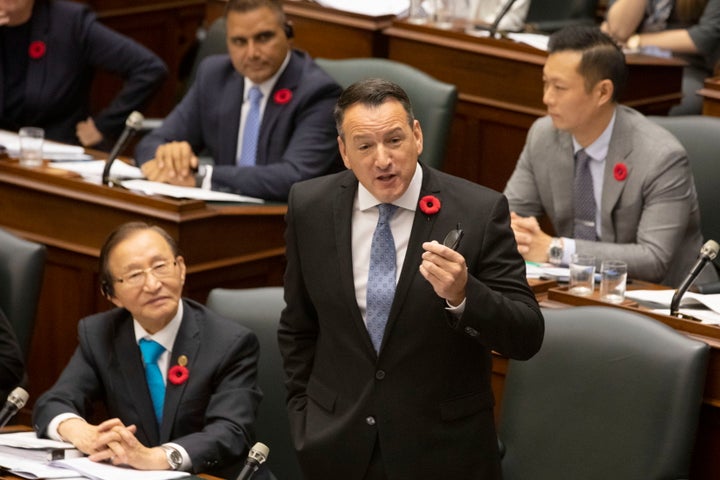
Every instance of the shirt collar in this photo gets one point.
(166, 336)
(407, 200)
(267, 86)
(599, 148)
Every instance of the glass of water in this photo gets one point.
(613, 280)
(582, 274)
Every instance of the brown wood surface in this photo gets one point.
(711, 97)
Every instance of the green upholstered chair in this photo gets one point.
(548, 16)
(433, 101)
(259, 310)
(700, 135)
(22, 263)
(612, 394)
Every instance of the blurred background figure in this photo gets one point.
(49, 50)
(688, 28)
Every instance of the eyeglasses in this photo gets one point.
(137, 278)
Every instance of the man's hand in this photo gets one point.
(87, 133)
(173, 163)
(533, 243)
(446, 271)
(125, 449)
(86, 437)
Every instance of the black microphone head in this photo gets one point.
(710, 249)
(135, 120)
(259, 452)
(18, 397)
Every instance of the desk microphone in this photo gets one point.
(258, 454)
(506, 8)
(15, 401)
(708, 252)
(133, 123)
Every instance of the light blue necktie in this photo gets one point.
(151, 351)
(584, 198)
(381, 278)
(251, 129)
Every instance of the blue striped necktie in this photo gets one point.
(251, 129)
(381, 277)
(151, 351)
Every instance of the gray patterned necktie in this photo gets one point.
(584, 199)
(381, 277)
(251, 129)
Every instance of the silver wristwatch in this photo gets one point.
(555, 252)
(173, 456)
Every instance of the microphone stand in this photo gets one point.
(708, 252)
(132, 124)
(493, 28)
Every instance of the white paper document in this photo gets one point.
(51, 150)
(157, 188)
(106, 471)
(92, 171)
(373, 8)
(703, 307)
(25, 468)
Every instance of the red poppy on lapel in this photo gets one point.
(430, 204)
(620, 172)
(179, 374)
(282, 96)
(37, 49)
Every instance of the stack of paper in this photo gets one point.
(703, 307)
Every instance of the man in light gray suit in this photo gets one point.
(636, 199)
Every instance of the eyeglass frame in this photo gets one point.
(144, 274)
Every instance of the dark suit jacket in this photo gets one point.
(211, 415)
(426, 397)
(57, 90)
(12, 368)
(297, 139)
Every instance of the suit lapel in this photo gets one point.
(618, 152)
(288, 80)
(231, 103)
(38, 68)
(187, 343)
(342, 220)
(561, 173)
(128, 356)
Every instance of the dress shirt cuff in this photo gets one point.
(52, 429)
(568, 250)
(456, 311)
(207, 181)
(186, 465)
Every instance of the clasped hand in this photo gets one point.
(532, 242)
(174, 163)
(114, 442)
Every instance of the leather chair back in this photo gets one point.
(611, 394)
(259, 310)
(433, 101)
(22, 263)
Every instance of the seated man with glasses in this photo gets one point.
(177, 381)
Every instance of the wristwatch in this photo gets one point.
(173, 456)
(555, 252)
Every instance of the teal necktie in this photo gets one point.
(151, 351)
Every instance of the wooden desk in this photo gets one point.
(704, 464)
(500, 93)
(228, 246)
(711, 96)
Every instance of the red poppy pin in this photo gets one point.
(37, 49)
(282, 96)
(620, 172)
(430, 204)
(179, 373)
